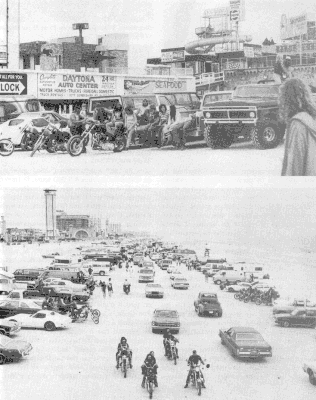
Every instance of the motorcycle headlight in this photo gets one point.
(252, 114)
(208, 115)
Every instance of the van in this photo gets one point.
(12, 106)
(146, 275)
(230, 276)
(165, 264)
(61, 272)
(98, 267)
(28, 276)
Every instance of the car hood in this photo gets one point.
(246, 102)
(278, 316)
(8, 323)
(17, 344)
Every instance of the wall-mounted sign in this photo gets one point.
(3, 54)
(135, 86)
(11, 84)
(172, 56)
(293, 27)
(238, 5)
(74, 86)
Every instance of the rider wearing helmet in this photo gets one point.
(123, 345)
(193, 360)
(150, 362)
(167, 336)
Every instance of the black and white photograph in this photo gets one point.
(157, 199)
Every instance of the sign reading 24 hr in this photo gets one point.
(13, 84)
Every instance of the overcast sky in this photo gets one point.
(152, 25)
(233, 215)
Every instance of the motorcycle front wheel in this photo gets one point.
(6, 147)
(120, 144)
(75, 146)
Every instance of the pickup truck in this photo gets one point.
(252, 114)
(208, 304)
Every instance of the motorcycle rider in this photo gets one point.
(126, 285)
(123, 345)
(193, 360)
(150, 362)
(167, 336)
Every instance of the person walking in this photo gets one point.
(130, 122)
(103, 288)
(298, 111)
(206, 276)
(110, 287)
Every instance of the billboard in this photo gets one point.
(238, 5)
(293, 27)
(173, 56)
(74, 86)
(216, 12)
(13, 84)
(137, 86)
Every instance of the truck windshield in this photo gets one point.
(257, 91)
(211, 98)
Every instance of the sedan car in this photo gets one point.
(44, 319)
(175, 274)
(11, 307)
(165, 319)
(53, 282)
(13, 349)
(286, 306)
(155, 256)
(154, 290)
(244, 342)
(9, 328)
(171, 269)
(299, 317)
(310, 368)
(180, 283)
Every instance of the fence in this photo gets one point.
(208, 78)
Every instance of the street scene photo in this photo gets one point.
(138, 291)
(159, 89)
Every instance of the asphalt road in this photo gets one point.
(242, 159)
(79, 363)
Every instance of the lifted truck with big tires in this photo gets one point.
(252, 114)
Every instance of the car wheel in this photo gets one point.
(49, 326)
(312, 377)
(286, 324)
(199, 313)
(153, 330)
(2, 359)
(266, 135)
(218, 282)
(102, 273)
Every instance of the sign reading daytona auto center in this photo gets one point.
(74, 86)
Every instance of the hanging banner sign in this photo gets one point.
(74, 86)
(135, 86)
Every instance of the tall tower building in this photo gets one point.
(50, 209)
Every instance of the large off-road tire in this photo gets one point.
(266, 135)
(120, 144)
(217, 137)
(75, 146)
(312, 377)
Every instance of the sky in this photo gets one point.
(251, 215)
(152, 25)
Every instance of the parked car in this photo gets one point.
(310, 368)
(13, 349)
(286, 306)
(9, 328)
(10, 307)
(230, 276)
(155, 256)
(154, 290)
(146, 275)
(165, 319)
(263, 287)
(244, 342)
(252, 114)
(51, 255)
(165, 263)
(76, 287)
(43, 319)
(180, 283)
(299, 317)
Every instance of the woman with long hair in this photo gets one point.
(298, 110)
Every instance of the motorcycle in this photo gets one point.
(124, 362)
(126, 289)
(101, 139)
(197, 378)
(149, 381)
(172, 351)
(52, 139)
(84, 313)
